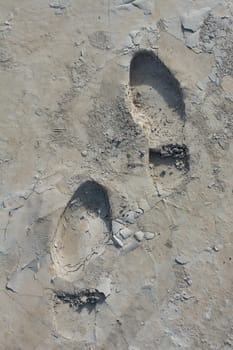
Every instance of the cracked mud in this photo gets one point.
(116, 175)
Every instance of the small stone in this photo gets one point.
(130, 217)
(181, 260)
(149, 235)
(57, 5)
(216, 248)
(84, 153)
(116, 227)
(139, 212)
(143, 5)
(125, 233)
(188, 281)
(117, 241)
(185, 296)
(193, 20)
(139, 236)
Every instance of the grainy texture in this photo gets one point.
(116, 191)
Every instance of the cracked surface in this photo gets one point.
(85, 103)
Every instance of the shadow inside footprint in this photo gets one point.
(82, 229)
(170, 155)
(147, 69)
(86, 298)
(158, 105)
(94, 198)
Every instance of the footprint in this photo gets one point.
(158, 106)
(82, 230)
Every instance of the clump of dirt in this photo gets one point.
(83, 298)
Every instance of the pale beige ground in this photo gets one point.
(68, 116)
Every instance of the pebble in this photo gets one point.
(185, 296)
(116, 227)
(139, 212)
(193, 20)
(57, 5)
(181, 260)
(130, 217)
(143, 5)
(188, 281)
(149, 235)
(216, 248)
(117, 241)
(139, 236)
(125, 233)
(84, 153)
